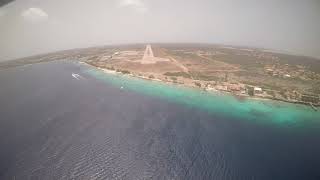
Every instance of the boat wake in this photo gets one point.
(77, 76)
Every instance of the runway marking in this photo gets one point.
(148, 54)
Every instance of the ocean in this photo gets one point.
(55, 125)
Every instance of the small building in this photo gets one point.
(269, 71)
(287, 75)
(257, 90)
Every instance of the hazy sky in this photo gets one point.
(30, 27)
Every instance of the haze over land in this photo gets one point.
(29, 27)
(159, 89)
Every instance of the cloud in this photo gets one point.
(34, 15)
(2, 13)
(137, 5)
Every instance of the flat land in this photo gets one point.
(239, 70)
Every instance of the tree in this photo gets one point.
(197, 84)
(173, 78)
(250, 91)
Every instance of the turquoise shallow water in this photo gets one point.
(265, 111)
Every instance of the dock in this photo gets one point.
(313, 107)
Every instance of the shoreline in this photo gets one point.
(108, 71)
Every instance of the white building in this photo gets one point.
(257, 90)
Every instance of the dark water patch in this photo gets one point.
(62, 128)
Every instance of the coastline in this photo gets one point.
(315, 107)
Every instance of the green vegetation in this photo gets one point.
(173, 78)
(283, 93)
(197, 84)
(203, 77)
(263, 85)
(123, 71)
(271, 93)
(315, 88)
(110, 68)
(182, 74)
(250, 90)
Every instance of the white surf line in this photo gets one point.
(76, 76)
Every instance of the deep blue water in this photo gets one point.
(53, 126)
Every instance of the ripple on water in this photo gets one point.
(226, 105)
